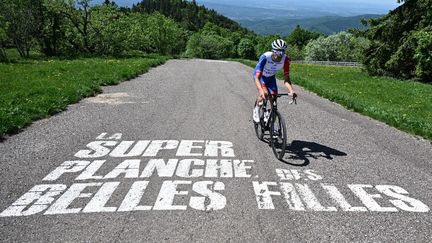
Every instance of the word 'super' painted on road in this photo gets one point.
(198, 166)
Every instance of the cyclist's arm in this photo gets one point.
(258, 84)
(258, 74)
(288, 84)
(287, 79)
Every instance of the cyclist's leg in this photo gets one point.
(270, 83)
(259, 101)
(273, 90)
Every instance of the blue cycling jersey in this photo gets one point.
(268, 68)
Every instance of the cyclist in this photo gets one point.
(265, 73)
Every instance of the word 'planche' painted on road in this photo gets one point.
(115, 175)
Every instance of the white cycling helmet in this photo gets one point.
(279, 45)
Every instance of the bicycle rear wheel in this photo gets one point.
(259, 127)
(278, 135)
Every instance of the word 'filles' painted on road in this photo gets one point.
(301, 197)
(95, 169)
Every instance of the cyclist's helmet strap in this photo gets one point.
(279, 45)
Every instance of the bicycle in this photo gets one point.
(271, 120)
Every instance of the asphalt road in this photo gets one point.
(172, 156)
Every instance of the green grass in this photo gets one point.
(34, 88)
(406, 105)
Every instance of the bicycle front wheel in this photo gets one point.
(278, 135)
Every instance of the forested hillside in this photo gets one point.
(401, 42)
(187, 13)
(327, 25)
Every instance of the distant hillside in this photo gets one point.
(188, 14)
(327, 25)
(302, 8)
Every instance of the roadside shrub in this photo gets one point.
(296, 53)
(246, 49)
(210, 46)
(423, 55)
(338, 47)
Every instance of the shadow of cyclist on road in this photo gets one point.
(303, 151)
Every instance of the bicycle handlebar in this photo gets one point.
(293, 101)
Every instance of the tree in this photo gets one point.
(3, 38)
(246, 49)
(78, 14)
(300, 37)
(296, 53)
(399, 41)
(188, 13)
(165, 35)
(20, 14)
(423, 55)
(109, 29)
(209, 45)
(337, 47)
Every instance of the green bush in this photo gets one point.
(338, 47)
(296, 53)
(209, 46)
(300, 37)
(165, 35)
(401, 62)
(423, 55)
(246, 49)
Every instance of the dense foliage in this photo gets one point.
(3, 38)
(397, 44)
(213, 42)
(339, 47)
(69, 27)
(401, 42)
(169, 27)
(297, 41)
(190, 15)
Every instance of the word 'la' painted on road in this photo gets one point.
(196, 166)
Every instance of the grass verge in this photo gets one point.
(34, 89)
(405, 105)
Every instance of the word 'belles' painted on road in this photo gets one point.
(112, 175)
(135, 162)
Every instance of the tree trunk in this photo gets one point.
(3, 55)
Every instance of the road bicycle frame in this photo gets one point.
(268, 119)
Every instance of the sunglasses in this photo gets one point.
(279, 53)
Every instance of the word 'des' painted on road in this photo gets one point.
(114, 175)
